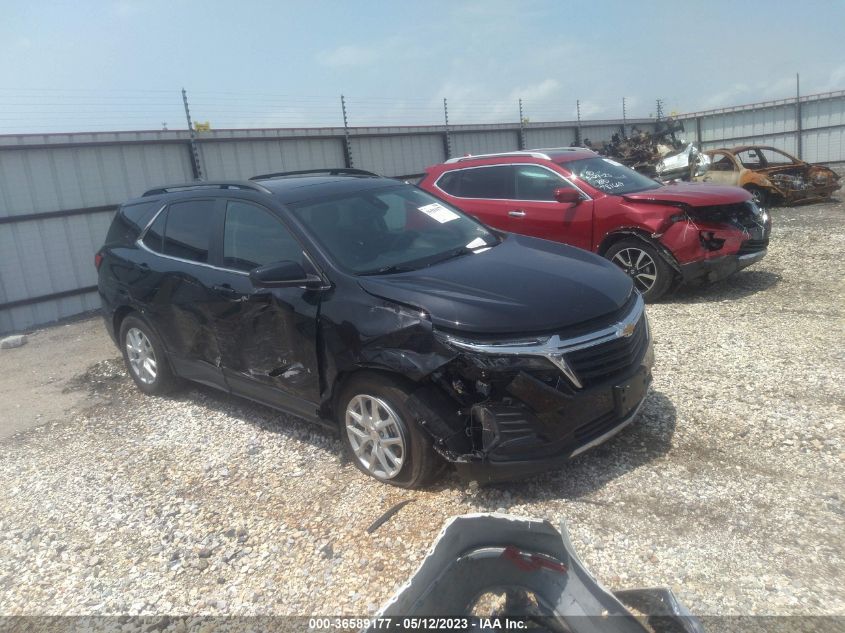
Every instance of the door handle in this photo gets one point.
(225, 289)
(517, 213)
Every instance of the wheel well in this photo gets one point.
(639, 234)
(330, 405)
(121, 313)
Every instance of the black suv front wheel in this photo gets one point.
(380, 434)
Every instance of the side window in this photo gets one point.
(774, 157)
(187, 234)
(488, 182)
(721, 162)
(450, 182)
(749, 159)
(252, 237)
(129, 221)
(155, 234)
(536, 183)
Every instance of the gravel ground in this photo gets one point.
(729, 489)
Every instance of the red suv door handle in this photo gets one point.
(517, 213)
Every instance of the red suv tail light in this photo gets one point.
(98, 259)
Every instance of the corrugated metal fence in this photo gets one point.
(58, 192)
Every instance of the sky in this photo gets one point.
(121, 64)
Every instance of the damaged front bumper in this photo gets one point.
(717, 268)
(530, 406)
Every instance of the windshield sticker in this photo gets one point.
(476, 243)
(612, 162)
(439, 212)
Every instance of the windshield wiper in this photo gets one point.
(459, 252)
(388, 270)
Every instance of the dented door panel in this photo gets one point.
(267, 340)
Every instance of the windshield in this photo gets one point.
(391, 230)
(609, 176)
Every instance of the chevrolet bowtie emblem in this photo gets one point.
(627, 330)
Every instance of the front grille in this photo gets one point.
(753, 246)
(601, 362)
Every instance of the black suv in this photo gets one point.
(369, 305)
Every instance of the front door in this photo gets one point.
(267, 336)
(536, 212)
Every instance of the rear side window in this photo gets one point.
(449, 182)
(187, 233)
(155, 234)
(488, 182)
(253, 238)
(129, 221)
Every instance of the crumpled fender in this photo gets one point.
(355, 338)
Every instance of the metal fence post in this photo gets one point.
(521, 127)
(799, 149)
(698, 132)
(347, 145)
(578, 127)
(447, 137)
(196, 166)
(624, 119)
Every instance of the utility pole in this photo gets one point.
(521, 127)
(196, 167)
(798, 131)
(347, 145)
(447, 138)
(578, 128)
(624, 119)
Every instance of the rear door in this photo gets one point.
(484, 192)
(536, 212)
(723, 170)
(267, 336)
(173, 286)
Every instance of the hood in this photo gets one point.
(523, 285)
(695, 194)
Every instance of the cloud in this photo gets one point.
(348, 55)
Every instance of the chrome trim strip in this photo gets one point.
(554, 348)
(752, 256)
(601, 439)
(587, 197)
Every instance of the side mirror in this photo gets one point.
(567, 195)
(283, 274)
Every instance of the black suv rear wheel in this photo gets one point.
(144, 356)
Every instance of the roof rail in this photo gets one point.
(563, 149)
(203, 184)
(531, 154)
(336, 171)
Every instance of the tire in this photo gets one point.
(761, 196)
(642, 262)
(411, 462)
(140, 345)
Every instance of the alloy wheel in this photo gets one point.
(639, 266)
(376, 435)
(142, 358)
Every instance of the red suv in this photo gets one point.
(658, 234)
